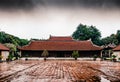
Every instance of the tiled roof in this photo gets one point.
(117, 48)
(55, 38)
(64, 45)
(2, 47)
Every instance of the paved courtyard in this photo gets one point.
(59, 71)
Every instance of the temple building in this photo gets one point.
(4, 52)
(60, 47)
(117, 52)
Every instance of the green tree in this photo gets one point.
(45, 54)
(81, 33)
(2, 37)
(75, 54)
(95, 35)
(10, 57)
(84, 32)
(23, 42)
(12, 48)
(118, 36)
(7, 38)
(109, 40)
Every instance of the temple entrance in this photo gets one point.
(64, 54)
(60, 54)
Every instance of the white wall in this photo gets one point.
(4, 55)
(117, 53)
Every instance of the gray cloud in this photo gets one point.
(19, 4)
(30, 4)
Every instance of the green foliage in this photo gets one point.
(114, 56)
(12, 47)
(34, 39)
(7, 38)
(113, 38)
(109, 40)
(84, 32)
(16, 55)
(10, 57)
(45, 53)
(118, 36)
(75, 54)
(81, 33)
(95, 57)
(23, 42)
(1, 57)
(118, 58)
(94, 34)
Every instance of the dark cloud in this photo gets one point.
(29, 4)
(86, 3)
(19, 4)
(13, 4)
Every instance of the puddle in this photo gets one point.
(104, 80)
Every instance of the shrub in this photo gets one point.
(1, 57)
(75, 54)
(45, 54)
(95, 57)
(118, 58)
(113, 58)
(26, 57)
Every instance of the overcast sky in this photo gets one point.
(41, 18)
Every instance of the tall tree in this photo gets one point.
(95, 35)
(118, 36)
(84, 32)
(110, 40)
(81, 33)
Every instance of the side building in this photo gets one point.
(60, 47)
(117, 52)
(4, 52)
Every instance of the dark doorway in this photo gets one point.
(60, 54)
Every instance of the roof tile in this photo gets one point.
(2, 47)
(117, 48)
(67, 44)
(55, 38)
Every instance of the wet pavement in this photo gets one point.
(59, 71)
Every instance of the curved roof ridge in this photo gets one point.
(94, 44)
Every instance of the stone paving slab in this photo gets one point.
(60, 71)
